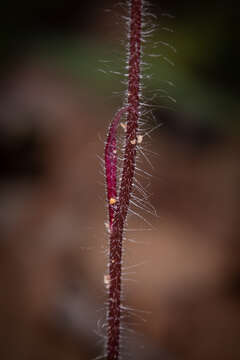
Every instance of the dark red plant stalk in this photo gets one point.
(111, 165)
(119, 203)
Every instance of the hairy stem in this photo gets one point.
(119, 204)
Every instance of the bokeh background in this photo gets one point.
(58, 93)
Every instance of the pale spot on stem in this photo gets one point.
(106, 280)
(112, 201)
(124, 126)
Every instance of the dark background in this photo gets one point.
(55, 107)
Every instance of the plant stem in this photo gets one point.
(118, 205)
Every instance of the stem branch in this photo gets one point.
(118, 205)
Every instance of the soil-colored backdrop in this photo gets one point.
(57, 97)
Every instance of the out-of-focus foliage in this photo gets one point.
(55, 107)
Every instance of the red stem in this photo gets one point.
(111, 164)
(118, 209)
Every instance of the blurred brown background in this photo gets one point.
(55, 107)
